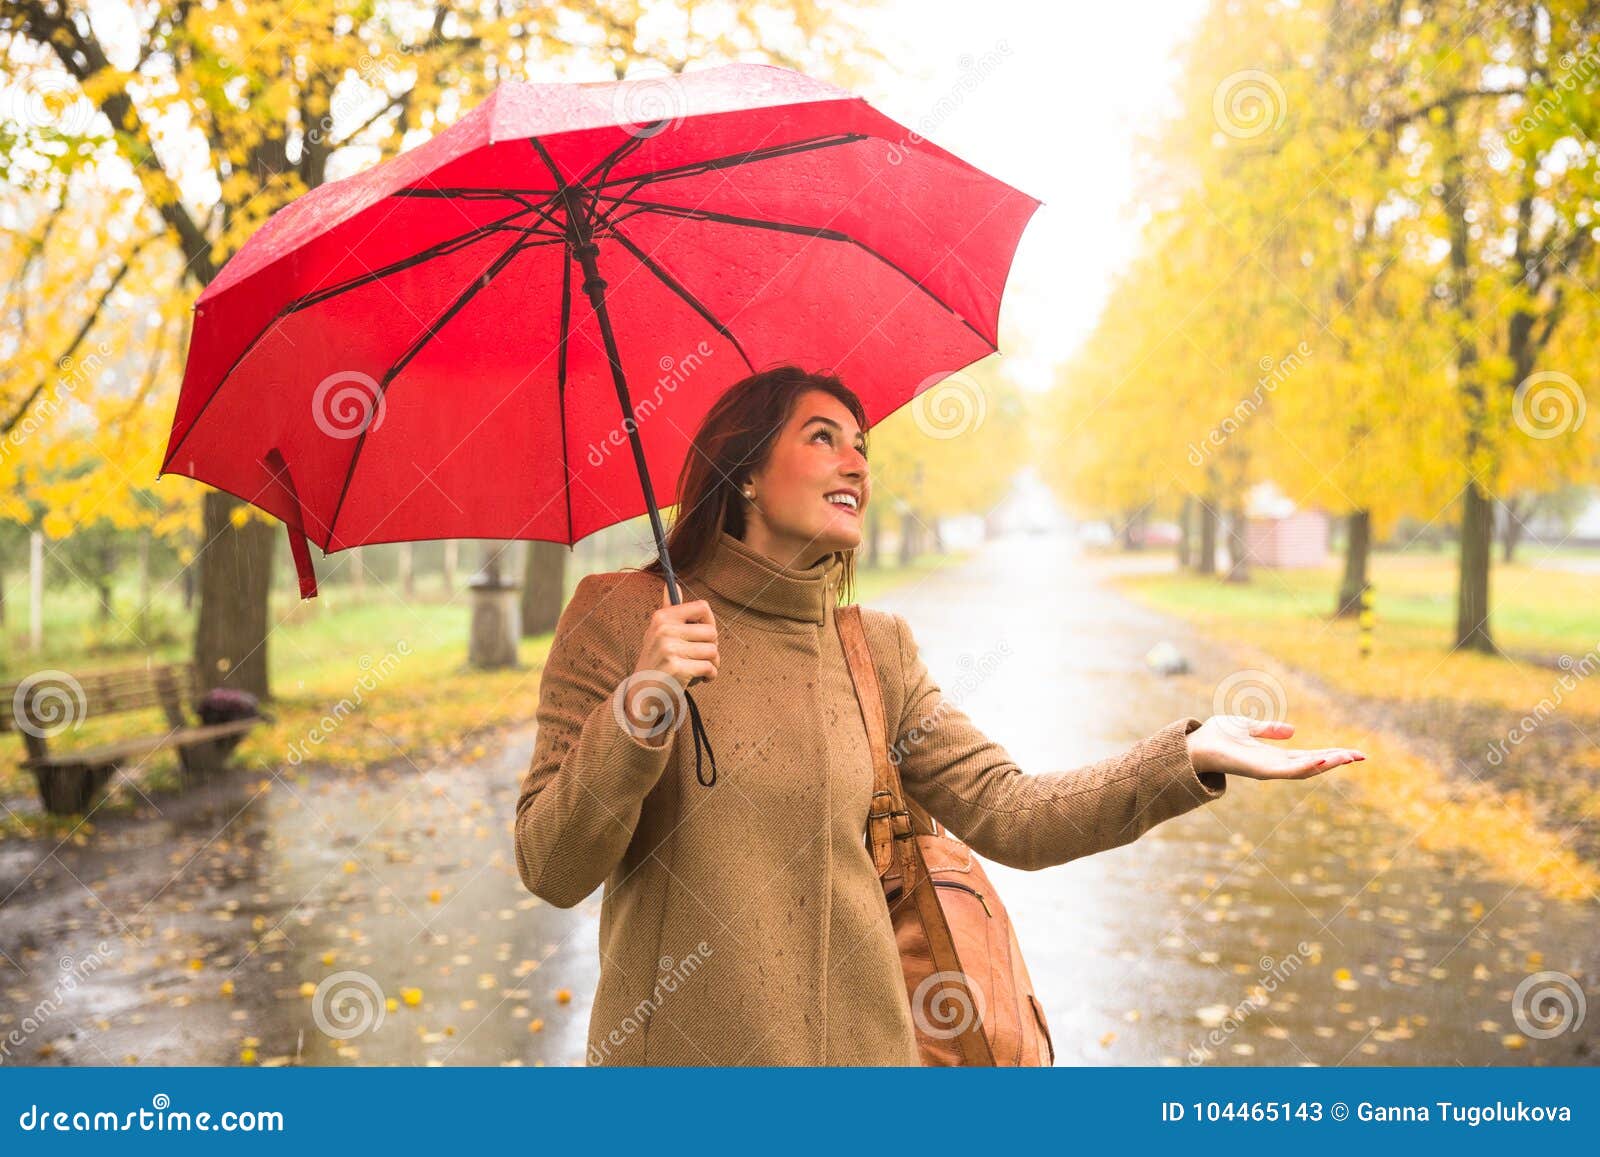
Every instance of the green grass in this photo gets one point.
(1288, 613)
(1530, 607)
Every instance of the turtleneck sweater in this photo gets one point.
(744, 923)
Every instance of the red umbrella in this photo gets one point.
(404, 354)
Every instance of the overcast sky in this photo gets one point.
(1046, 97)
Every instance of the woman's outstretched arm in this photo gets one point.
(588, 778)
(972, 786)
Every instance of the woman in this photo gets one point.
(743, 923)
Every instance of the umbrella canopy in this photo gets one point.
(436, 347)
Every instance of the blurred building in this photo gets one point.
(1281, 535)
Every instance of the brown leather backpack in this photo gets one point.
(971, 997)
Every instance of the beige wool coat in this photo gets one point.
(743, 924)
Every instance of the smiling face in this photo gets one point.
(819, 452)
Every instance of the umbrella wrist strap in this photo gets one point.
(701, 739)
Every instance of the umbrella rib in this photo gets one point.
(676, 286)
(523, 197)
(695, 168)
(605, 164)
(561, 386)
(438, 249)
(817, 231)
(473, 193)
(565, 333)
(479, 283)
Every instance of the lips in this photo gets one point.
(854, 510)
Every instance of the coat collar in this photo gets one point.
(747, 578)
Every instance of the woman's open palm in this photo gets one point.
(1232, 744)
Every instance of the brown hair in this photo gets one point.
(733, 441)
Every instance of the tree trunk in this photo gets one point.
(230, 638)
(544, 587)
(1472, 591)
(408, 569)
(1516, 519)
(1357, 549)
(35, 591)
(1207, 562)
(358, 575)
(1130, 536)
(908, 531)
(1185, 547)
(1477, 515)
(1238, 544)
(452, 550)
(143, 614)
(874, 536)
(105, 564)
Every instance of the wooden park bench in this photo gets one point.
(69, 781)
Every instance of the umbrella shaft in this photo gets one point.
(582, 245)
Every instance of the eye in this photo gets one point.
(828, 434)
